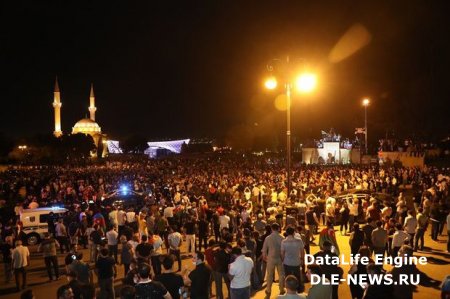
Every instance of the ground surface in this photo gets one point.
(437, 268)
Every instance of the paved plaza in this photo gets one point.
(437, 268)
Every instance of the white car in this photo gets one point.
(35, 222)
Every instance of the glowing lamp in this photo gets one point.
(366, 102)
(271, 83)
(306, 82)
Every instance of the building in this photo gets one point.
(86, 126)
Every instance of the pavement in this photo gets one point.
(437, 269)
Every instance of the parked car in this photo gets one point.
(35, 222)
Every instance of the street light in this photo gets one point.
(365, 103)
(305, 83)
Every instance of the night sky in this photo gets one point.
(169, 69)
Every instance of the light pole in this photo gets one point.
(365, 103)
(306, 82)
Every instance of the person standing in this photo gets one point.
(105, 269)
(322, 290)
(292, 252)
(292, 285)
(203, 232)
(222, 259)
(410, 227)
(356, 239)
(398, 239)
(112, 239)
(240, 272)
(422, 223)
(198, 278)
(20, 260)
(156, 253)
(81, 269)
(312, 221)
(379, 239)
(271, 253)
(48, 247)
(173, 282)
(62, 236)
(147, 288)
(7, 248)
(175, 240)
(189, 230)
(126, 255)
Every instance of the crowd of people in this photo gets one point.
(236, 217)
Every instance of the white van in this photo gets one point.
(35, 222)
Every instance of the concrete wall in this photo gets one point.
(406, 158)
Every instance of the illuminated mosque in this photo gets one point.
(86, 126)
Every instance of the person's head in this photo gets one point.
(290, 231)
(18, 243)
(27, 294)
(291, 283)
(237, 251)
(133, 264)
(406, 250)
(168, 262)
(364, 251)
(356, 226)
(211, 243)
(420, 210)
(372, 269)
(9, 240)
(275, 227)
(127, 292)
(144, 239)
(398, 226)
(268, 229)
(222, 245)
(369, 220)
(64, 292)
(144, 271)
(313, 270)
(198, 257)
(104, 252)
(379, 224)
(326, 246)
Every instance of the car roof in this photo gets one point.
(51, 209)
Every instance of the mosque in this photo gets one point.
(86, 126)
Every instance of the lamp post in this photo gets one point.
(365, 103)
(306, 82)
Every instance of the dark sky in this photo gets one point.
(195, 68)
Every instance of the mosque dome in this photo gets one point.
(86, 126)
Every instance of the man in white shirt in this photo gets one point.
(398, 239)
(113, 218)
(175, 240)
(224, 221)
(112, 237)
(121, 219)
(240, 271)
(20, 260)
(410, 227)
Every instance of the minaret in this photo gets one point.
(57, 106)
(92, 107)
